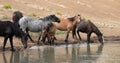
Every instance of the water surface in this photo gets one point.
(74, 53)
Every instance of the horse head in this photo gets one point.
(78, 18)
(52, 18)
(16, 16)
(24, 39)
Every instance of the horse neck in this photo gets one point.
(97, 31)
(74, 22)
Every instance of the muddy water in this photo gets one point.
(75, 53)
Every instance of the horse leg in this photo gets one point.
(88, 37)
(66, 39)
(5, 41)
(11, 43)
(44, 38)
(74, 32)
(78, 35)
(55, 38)
(29, 36)
(39, 38)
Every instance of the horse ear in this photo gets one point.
(52, 15)
(78, 14)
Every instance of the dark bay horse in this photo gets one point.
(8, 30)
(49, 33)
(36, 25)
(89, 28)
(67, 25)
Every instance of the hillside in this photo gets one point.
(104, 13)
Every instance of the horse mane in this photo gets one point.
(95, 28)
(47, 18)
(16, 16)
(71, 19)
(49, 26)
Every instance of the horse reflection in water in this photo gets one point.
(87, 57)
(73, 54)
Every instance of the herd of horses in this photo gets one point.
(46, 27)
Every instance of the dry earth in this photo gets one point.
(104, 13)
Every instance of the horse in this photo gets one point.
(36, 25)
(16, 17)
(8, 30)
(88, 27)
(67, 25)
(49, 33)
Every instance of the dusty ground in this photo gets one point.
(104, 13)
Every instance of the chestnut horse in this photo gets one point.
(67, 25)
(88, 27)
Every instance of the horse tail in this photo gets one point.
(74, 31)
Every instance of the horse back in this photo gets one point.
(64, 24)
(5, 27)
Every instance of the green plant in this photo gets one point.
(7, 6)
(34, 15)
(60, 32)
(5, 18)
(58, 13)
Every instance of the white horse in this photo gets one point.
(36, 25)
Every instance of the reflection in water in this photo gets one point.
(5, 60)
(74, 54)
(85, 58)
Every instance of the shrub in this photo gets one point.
(58, 13)
(7, 6)
(34, 15)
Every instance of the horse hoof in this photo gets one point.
(13, 50)
(3, 50)
(66, 40)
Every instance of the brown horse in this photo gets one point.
(49, 33)
(67, 25)
(89, 28)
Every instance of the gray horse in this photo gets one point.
(36, 25)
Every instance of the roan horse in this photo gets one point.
(67, 25)
(89, 28)
(36, 25)
(8, 30)
(16, 17)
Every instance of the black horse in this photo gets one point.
(8, 30)
(89, 28)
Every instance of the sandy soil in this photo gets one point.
(104, 13)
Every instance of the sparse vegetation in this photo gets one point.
(58, 13)
(85, 19)
(60, 32)
(5, 18)
(7, 6)
(34, 15)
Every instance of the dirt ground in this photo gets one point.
(103, 13)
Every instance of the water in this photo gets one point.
(74, 53)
